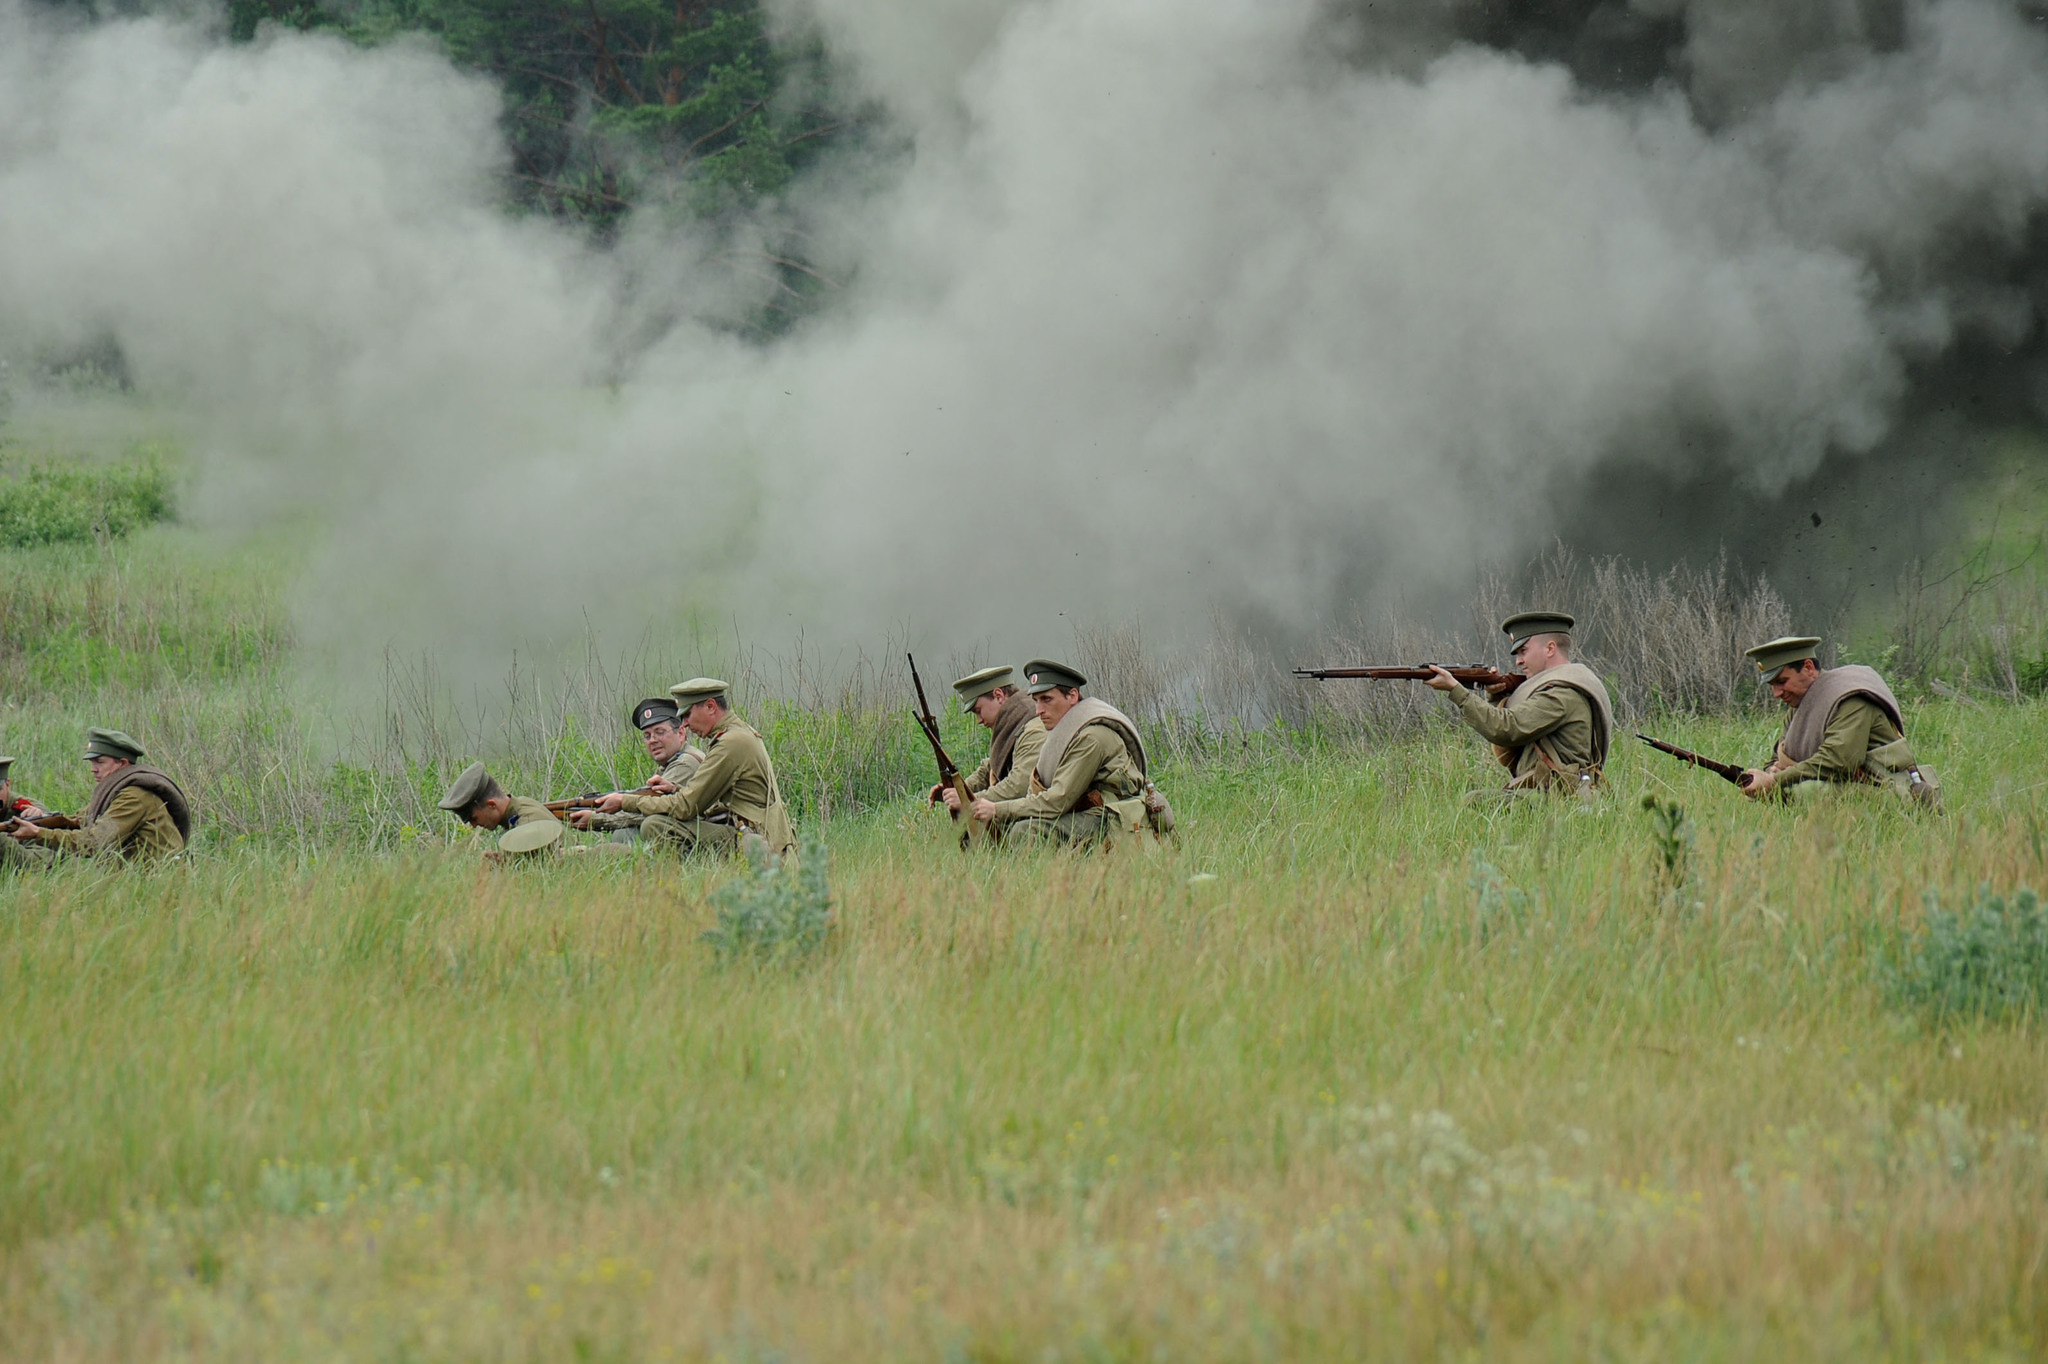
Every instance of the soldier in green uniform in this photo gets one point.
(1552, 732)
(14, 853)
(730, 799)
(1088, 784)
(1016, 735)
(136, 812)
(477, 800)
(1845, 726)
(668, 742)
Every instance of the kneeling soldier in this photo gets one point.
(1088, 784)
(136, 812)
(477, 800)
(668, 742)
(1552, 732)
(14, 853)
(1845, 726)
(730, 798)
(1016, 736)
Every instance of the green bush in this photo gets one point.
(777, 912)
(1988, 959)
(47, 504)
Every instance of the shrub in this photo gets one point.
(776, 912)
(1988, 959)
(46, 504)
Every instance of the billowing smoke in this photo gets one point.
(1275, 307)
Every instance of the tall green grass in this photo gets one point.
(1356, 1068)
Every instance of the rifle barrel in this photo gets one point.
(1726, 771)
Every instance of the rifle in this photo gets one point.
(949, 773)
(1726, 771)
(41, 822)
(589, 799)
(1468, 674)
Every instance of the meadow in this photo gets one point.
(1352, 1071)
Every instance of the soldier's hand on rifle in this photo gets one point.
(26, 832)
(1440, 680)
(952, 799)
(931, 797)
(984, 808)
(1756, 781)
(611, 804)
(580, 819)
(31, 811)
(660, 785)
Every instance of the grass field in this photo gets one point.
(1354, 1072)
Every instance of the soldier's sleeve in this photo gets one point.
(1513, 726)
(698, 794)
(1084, 757)
(1024, 757)
(977, 780)
(124, 816)
(1843, 744)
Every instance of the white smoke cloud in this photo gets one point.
(1165, 309)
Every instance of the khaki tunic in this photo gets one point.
(1855, 727)
(1560, 715)
(1015, 780)
(677, 771)
(1096, 760)
(735, 779)
(136, 824)
(525, 808)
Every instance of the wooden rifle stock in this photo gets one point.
(949, 772)
(42, 822)
(1725, 771)
(589, 799)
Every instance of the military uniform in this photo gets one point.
(624, 825)
(1088, 784)
(14, 852)
(528, 827)
(1553, 731)
(136, 811)
(1015, 739)
(1847, 728)
(733, 792)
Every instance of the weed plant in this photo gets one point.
(779, 912)
(1985, 959)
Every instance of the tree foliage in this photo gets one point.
(612, 104)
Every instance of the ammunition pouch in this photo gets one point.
(1891, 766)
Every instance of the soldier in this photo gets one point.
(1088, 784)
(668, 743)
(1845, 726)
(13, 807)
(136, 812)
(1552, 731)
(993, 697)
(731, 799)
(477, 800)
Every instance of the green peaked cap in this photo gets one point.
(1521, 627)
(468, 789)
(1043, 675)
(111, 743)
(688, 694)
(1779, 652)
(531, 836)
(976, 685)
